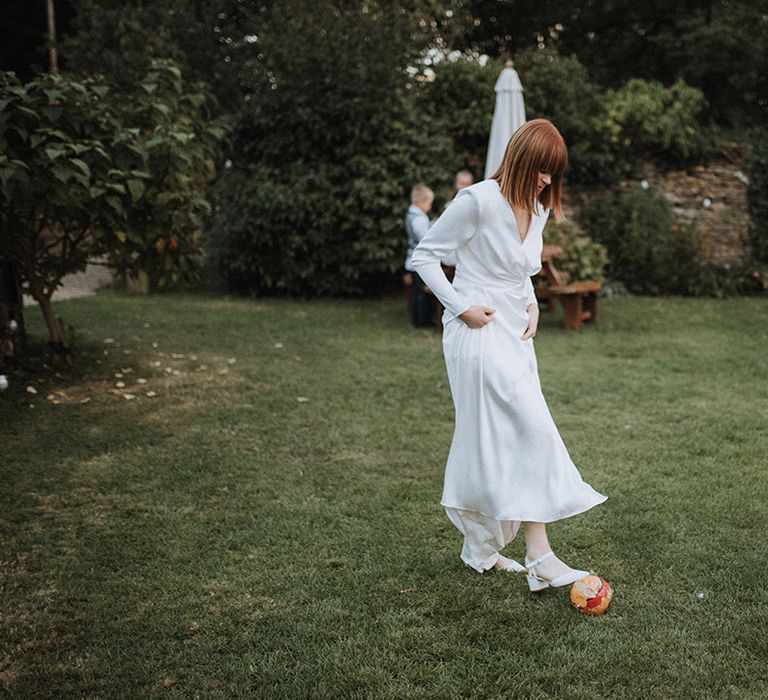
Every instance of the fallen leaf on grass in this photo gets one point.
(85, 400)
(302, 399)
(31, 390)
(151, 394)
(120, 385)
(129, 396)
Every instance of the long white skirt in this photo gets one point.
(507, 463)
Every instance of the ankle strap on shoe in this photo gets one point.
(530, 565)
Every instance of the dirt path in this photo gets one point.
(79, 284)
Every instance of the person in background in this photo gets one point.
(416, 226)
(463, 179)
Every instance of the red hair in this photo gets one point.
(536, 147)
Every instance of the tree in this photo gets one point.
(718, 46)
(326, 151)
(83, 175)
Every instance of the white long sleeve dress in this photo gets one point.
(507, 462)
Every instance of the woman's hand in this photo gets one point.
(533, 321)
(477, 316)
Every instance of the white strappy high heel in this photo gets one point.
(538, 583)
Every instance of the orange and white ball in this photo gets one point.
(591, 595)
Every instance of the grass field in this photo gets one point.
(269, 525)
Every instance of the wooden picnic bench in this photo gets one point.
(578, 299)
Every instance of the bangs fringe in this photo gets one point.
(537, 146)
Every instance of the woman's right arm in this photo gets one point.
(456, 225)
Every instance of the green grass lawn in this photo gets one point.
(225, 539)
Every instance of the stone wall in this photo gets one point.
(714, 196)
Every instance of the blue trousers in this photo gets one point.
(424, 304)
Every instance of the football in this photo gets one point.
(591, 595)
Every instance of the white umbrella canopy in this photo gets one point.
(508, 116)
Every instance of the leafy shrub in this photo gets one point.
(324, 159)
(757, 195)
(648, 120)
(730, 278)
(85, 173)
(460, 102)
(648, 250)
(558, 88)
(582, 258)
(608, 133)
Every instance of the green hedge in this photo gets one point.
(757, 195)
(652, 253)
(648, 251)
(315, 199)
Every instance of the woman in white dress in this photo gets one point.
(507, 464)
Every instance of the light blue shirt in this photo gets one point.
(417, 224)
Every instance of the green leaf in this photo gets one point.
(58, 134)
(20, 130)
(82, 165)
(115, 204)
(136, 188)
(62, 173)
(28, 112)
(54, 153)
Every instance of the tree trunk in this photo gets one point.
(50, 320)
(59, 340)
(53, 58)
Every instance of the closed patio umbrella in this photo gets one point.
(508, 116)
